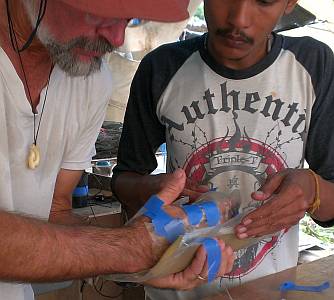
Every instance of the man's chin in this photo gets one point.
(81, 68)
(234, 53)
(73, 64)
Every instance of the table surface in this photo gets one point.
(267, 288)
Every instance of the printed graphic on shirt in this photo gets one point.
(232, 163)
(237, 160)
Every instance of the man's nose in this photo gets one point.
(112, 30)
(240, 14)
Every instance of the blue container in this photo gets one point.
(80, 193)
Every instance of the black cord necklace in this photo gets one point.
(34, 152)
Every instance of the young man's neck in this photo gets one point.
(36, 61)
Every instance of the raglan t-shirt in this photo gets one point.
(230, 129)
(73, 114)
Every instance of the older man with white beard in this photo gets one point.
(54, 89)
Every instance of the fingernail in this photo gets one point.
(259, 194)
(242, 229)
(247, 222)
(243, 236)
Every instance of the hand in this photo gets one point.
(172, 186)
(191, 276)
(146, 252)
(193, 190)
(289, 193)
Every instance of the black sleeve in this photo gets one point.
(143, 132)
(320, 140)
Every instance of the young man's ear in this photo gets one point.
(290, 6)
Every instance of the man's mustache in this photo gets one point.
(225, 32)
(100, 44)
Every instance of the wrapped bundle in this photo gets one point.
(172, 221)
(177, 231)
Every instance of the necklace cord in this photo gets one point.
(13, 39)
(41, 13)
(45, 97)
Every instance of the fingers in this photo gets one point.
(266, 226)
(228, 258)
(270, 187)
(193, 195)
(260, 196)
(197, 265)
(187, 279)
(173, 186)
(265, 211)
(193, 190)
(198, 270)
(193, 185)
(281, 211)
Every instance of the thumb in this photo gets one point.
(268, 189)
(173, 186)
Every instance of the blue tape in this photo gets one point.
(291, 286)
(154, 204)
(160, 221)
(212, 212)
(174, 229)
(214, 256)
(194, 214)
(80, 191)
(164, 225)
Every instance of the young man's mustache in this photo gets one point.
(226, 32)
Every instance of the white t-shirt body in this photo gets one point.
(73, 114)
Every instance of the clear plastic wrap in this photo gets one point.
(177, 237)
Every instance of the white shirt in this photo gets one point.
(74, 111)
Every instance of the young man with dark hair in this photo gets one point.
(240, 108)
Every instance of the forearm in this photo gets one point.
(62, 213)
(134, 189)
(326, 209)
(35, 251)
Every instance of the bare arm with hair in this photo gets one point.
(39, 251)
